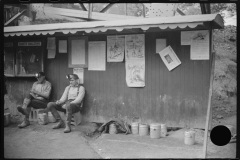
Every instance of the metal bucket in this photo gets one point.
(163, 130)
(155, 130)
(42, 118)
(143, 129)
(7, 119)
(189, 137)
(112, 129)
(134, 127)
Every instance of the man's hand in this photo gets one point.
(57, 102)
(34, 96)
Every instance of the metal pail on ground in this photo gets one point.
(143, 129)
(42, 118)
(163, 130)
(134, 127)
(51, 118)
(155, 130)
(189, 138)
(7, 119)
(112, 129)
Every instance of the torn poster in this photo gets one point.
(62, 46)
(51, 43)
(79, 72)
(169, 58)
(200, 46)
(115, 48)
(135, 46)
(135, 73)
(97, 55)
(186, 37)
(160, 45)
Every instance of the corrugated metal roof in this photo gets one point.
(102, 26)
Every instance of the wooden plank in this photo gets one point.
(107, 7)
(209, 106)
(83, 7)
(84, 14)
(14, 18)
(90, 10)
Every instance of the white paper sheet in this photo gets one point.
(80, 73)
(169, 58)
(78, 52)
(200, 46)
(115, 48)
(135, 46)
(160, 45)
(51, 53)
(62, 46)
(97, 55)
(51, 43)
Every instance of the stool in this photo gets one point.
(33, 116)
(76, 118)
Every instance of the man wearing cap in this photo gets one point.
(70, 102)
(37, 98)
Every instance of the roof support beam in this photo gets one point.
(83, 7)
(144, 10)
(107, 7)
(14, 18)
(90, 7)
(205, 8)
(180, 12)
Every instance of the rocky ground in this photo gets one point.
(225, 82)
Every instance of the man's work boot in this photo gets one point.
(25, 123)
(60, 123)
(68, 123)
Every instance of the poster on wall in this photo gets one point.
(186, 37)
(200, 46)
(169, 58)
(160, 45)
(115, 48)
(135, 73)
(79, 72)
(51, 53)
(135, 46)
(62, 46)
(51, 43)
(97, 55)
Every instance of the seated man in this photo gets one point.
(37, 98)
(70, 102)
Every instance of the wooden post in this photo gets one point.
(90, 10)
(209, 109)
(144, 10)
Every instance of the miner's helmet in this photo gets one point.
(39, 74)
(72, 76)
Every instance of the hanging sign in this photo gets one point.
(29, 43)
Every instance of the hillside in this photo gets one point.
(225, 74)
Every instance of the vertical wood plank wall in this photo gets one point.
(177, 98)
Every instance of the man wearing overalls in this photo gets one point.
(70, 102)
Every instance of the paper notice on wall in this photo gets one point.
(135, 73)
(115, 48)
(200, 46)
(51, 53)
(135, 46)
(160, 45)
(62, 46)
(78, 51)
(169, 58)
(80, 73)
(51, 43)
(97, 55)
(186, 37)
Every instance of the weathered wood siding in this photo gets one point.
(177, 97)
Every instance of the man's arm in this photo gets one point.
(64, 96)
(80, 96)
(46, 91)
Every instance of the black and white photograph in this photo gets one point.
(117, 80)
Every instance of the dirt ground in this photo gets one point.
(41, 141)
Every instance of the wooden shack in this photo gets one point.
(177, 97)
